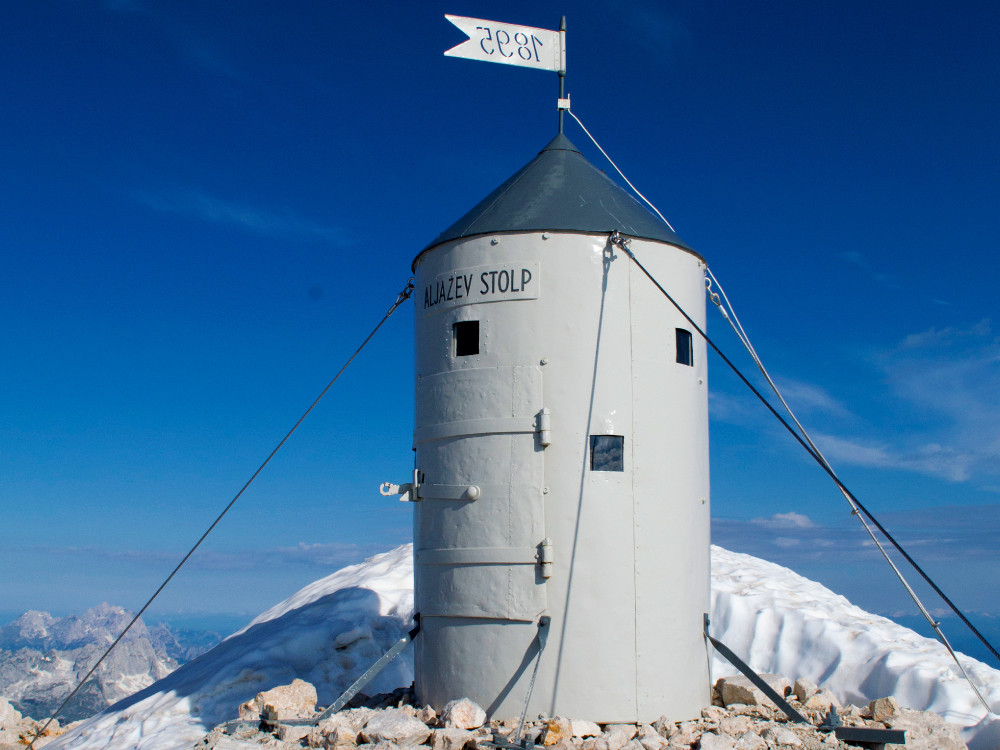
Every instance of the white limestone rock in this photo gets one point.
(225, 742)
(452, 739)
(735, 726)
(294, 701)
(393, 725)
(557, 729)
(713, 713)
(352, 720)
(663, 726)
(750, 741)
(926, 731)
(9, 715)
(781, 737)
(463, 714)
(822, 700)
(739, 689)
(687, 733)
(616, 735)
(649, 738)
(883, 709)
(19, 734)
(653, 742)
(583, 728)
(294, 734)
(804, 689)
(713, 741)
(339, 737)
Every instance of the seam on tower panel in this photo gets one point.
(510, 487)
(510, 520)
(635, 496)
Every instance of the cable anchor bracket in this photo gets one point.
(409, 492)
(619, 240)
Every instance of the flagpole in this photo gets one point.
(562, 69)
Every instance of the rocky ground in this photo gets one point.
(16, 731)
(740, 719)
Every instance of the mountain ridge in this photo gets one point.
(43, 658)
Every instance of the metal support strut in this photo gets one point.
(370, 673)
(863, 736)
(269, 722)
(755, 678)
(541, 637)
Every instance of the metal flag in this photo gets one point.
(506, 43)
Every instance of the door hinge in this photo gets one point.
(545, 427)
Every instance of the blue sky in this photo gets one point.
(206, 206)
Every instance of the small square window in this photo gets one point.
(685, 349)
(607, 453)
(465, 337)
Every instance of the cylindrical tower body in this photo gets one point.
(561, 439)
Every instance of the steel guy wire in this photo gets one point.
(623, 243)
(594, 141)
(400, 298)
(737, 327)
(853, 501)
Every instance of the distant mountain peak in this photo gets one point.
(42, 658)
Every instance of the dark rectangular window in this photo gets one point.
(607, 453)
(466, 337)
(685, 349)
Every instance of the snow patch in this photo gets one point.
(332, 630)
(780, 622)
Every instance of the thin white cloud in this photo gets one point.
(777, 539)
(940, 415)
(933, 459)
(857, 259)
(858, 452)
(808, 401)
(785, 542)
(945, 338)
(740, 409)
(790, 520)
(807, 398)
(939, 534)
(211, 51)
(197, 204)
(321, 556)
(951, 378)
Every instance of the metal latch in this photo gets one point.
(545, 427)
(450, 492)
(409, 492)
(418, 490)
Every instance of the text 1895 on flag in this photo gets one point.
(506, 43)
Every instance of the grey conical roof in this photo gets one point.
(559, 190)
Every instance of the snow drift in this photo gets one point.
(782, 623)
(332, 630)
